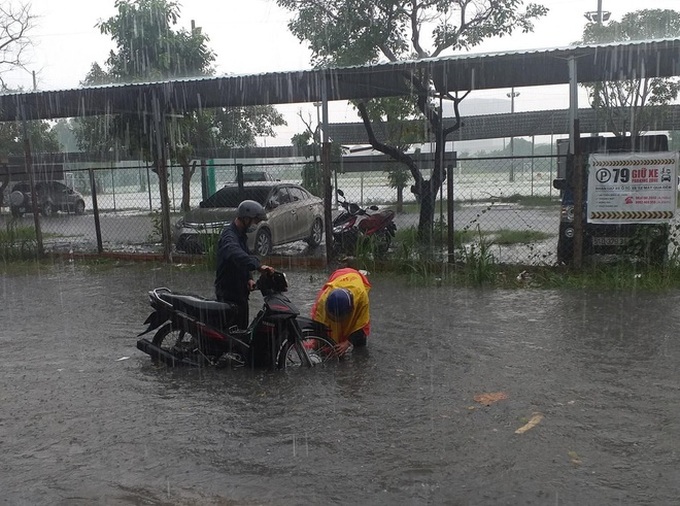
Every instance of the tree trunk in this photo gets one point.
(428, 199)
(400, 199)
(187, 174)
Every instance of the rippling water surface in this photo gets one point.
(86, 418)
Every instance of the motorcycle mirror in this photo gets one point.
(340, 192)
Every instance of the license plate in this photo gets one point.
(610, 241)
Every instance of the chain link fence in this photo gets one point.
(507, 204)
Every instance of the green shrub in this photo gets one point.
(17, 242)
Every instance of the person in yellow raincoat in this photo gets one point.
(343, 305)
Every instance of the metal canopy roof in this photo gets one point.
(450, 74)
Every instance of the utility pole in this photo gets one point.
(512, 96)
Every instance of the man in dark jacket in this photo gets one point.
(233, 279)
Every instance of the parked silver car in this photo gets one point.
(293, 214)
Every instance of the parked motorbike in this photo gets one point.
(355, 227)
(195, 331)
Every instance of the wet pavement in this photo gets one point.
(88, 419)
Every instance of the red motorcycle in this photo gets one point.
(357, 229)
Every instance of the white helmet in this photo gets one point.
(251, 209)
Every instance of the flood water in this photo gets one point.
(88, 419)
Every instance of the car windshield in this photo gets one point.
(232, 197)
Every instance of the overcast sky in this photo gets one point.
(251, 36)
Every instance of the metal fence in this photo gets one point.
(508, 203)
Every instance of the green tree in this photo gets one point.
(394, 116)
(625, 104)
(150, 47)
(357, 32)
(41, 136)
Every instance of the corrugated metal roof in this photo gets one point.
(450, 74)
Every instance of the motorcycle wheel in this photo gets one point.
(181, 345)
(382, 241)
(320, 351)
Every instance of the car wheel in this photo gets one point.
(16, 199)
(263, 242)
(48, 209)
(79, 207)
(316, 235)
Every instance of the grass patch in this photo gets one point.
(506, 237)
(17, 243)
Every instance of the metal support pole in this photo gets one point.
(573, 102)
(326, 162)
(95, 211)
(449, 215)
(533, 152)
(512, 96)
(579, 198)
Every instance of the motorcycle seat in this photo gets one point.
(208, 311)
(376, 220)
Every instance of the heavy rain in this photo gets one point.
(508, 187)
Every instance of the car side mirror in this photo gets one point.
(273, 204)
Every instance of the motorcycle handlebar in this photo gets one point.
(274, 282)
(352, 207)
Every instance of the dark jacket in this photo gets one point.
(234, 265)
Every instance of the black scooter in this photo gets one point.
(195, 331)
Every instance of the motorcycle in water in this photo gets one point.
(355, 227)
(195, 331)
